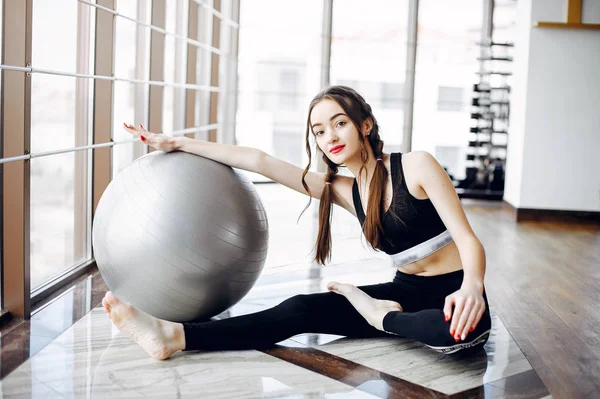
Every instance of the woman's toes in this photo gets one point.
(340, 288)
(110, 299)
(332, 285)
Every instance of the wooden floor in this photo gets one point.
(544, 281)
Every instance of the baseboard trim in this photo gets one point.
(553, 215)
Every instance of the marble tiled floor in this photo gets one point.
(92, 359)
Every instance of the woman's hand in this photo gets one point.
(157, 141)
(469, 306)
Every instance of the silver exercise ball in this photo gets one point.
(180, 236)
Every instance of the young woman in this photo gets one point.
(407, 207)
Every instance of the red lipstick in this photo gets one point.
(336, 149)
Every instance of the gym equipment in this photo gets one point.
(179, 236)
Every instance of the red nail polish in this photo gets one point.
(142, 137)
(471, 330)
(456, 339)
(452, 332)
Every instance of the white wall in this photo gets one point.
(555, 121)
(518, 102)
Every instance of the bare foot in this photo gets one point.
(373, 310)
(159, 338)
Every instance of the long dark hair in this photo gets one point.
(357, 109)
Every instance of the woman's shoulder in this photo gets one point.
(412, 167)
(418, 155)
(416, 159)
(410, 160)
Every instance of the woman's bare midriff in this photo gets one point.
(445, 260)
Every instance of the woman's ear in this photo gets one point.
(367, 126)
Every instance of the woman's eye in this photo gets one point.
(341, 123)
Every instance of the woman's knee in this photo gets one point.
(312, 303)
(296, 302)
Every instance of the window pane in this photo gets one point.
(279, 73)
(131, 62)
(446, 69)
(54, 44)
(369, 55)
(56, 192)
(203, 71)
(54, 47)
(52, 112)
(175, 63)
(60, 119)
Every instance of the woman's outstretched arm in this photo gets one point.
(252, 160)
(236, 156)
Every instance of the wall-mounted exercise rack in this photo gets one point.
(488, 136)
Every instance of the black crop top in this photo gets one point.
(419, 218)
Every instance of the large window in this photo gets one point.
(93, 68)
(279, 73)
(59, 120)
(369, 54)
(445, 71)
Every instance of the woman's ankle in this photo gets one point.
(175, 334)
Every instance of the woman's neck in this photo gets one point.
(365, 177)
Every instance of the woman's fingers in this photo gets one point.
(465, 314)
(140, 132)
(456, 317)
(469, 324)
(477, 318)
(448, 308)
(156, 140)
(130, 129)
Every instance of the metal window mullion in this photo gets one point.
(142, 72)
(327, 27)
(203, 71)
(486, 32)
(110, 78)
(157, 65)
(181, 65)
(327, 32)
(16, 86)
(192, 57)
(80, 159)
(411, 61)
(232, 81)
(103, 101)
(488, 21)
(225, 40)
(174, 133)
(214, 73)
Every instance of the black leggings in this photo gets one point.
(422, 299)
